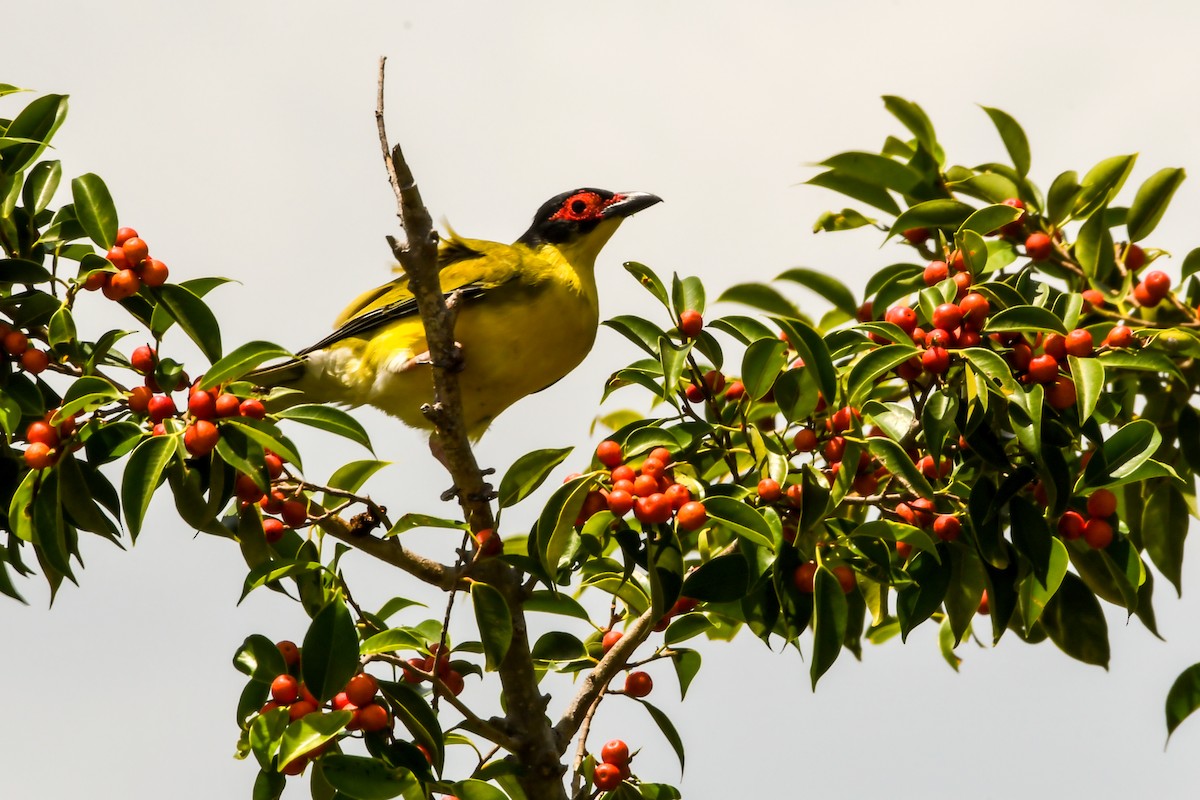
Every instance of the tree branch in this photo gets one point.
(392, 552)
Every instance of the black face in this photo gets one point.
(568, 215)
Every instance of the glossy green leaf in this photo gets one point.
(1013, 137)
(494, 622)
(1101, 184)
(742, 519)
(946, 214)
(477, 790)
(990, 218)
(1140, 360)
(259, 658)
(892, 456)
(413, 710)
(1191, 262)
(1094, 248)
(528, 473)
(1088, 374)
(1151, 201)
(1127, 449)
(830, 618)
(36, 124)
(917, 601)
(1060, 199)
(311, 731)
(991, 366)
(668, 730)
(40, 185)
(1165, 521)
(873, 367)
(642, 332)
(266, 434)
(1075, 622)
(646, 277)
(876, 169)
(330, 650)
(824, 285)
(241, 361)
(1025, 318)
(1031, 536)
(762, 297)
(548, 602)
(914, 118)
(892, 531)
(811, 346)
(194, 316)
(94, 209)
(555, 535)
(687, 665)
(330, 419)
(362, 778)
(1183, 698)
(391, 640)
(265, 733)
(558, 646)
(142, 474)
(761, 365)
(686, 294)
(869, 192)
(723, 579)
(19, 270)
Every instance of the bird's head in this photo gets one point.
(582, 220)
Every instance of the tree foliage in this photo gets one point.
(996, 438)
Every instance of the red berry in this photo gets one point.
(1157, 284)
(227, 405)
(1143, 297)
(969, 337)
(660, 454)
(139, 399)
(936, 272)
(655, 508)
(116, 257)
(845, 577)
(490, 543)
(15, 343)
(39, 456)
(1039, 246)
(611, 637)
(154, 272)
(1070, 525)
(678, 494)
(620, 502)
(769, 490)
(136, 251)
(691, 516)
(1015, 202)
(975, 309)
(962, 282)
(843, 418)
(1093, 298)
(1119, 336)
(361, 689)
(866, 313)
(956, 260)
(125, 283)
(1135, 257)
(1080, 343)
(653, 467)
(935, 360)
(694, 393)
(1062, 393)
(947, 316)
(735, 391)
(795, 495)
(805, 576)
(615, 752)
(285, 689)
(201, 437)
(272, 529)
(372, 717)
(143, 359)
(923, 512)
(1043, 368)
(124, 235)
(691, 323)
(274, 465)
(903, 317)
(202, 404)
(805, 440)
(984, 607)
(454, 682)
(917, 235)
(834, 449)
(1102, 503)
(160, 407)
(34, 361)
(638, 684)
(1097, 533)
(947, 527)
(645, 485)
(40, 432)
(606, 777)
(294, 513)
(609, 454)
(939, 337)
(1055, 344)
(715, 381)
(254, 409)
(96, 279)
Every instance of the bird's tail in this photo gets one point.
(286, 374)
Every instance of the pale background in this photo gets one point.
(239, 138)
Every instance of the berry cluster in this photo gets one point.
(46, 440)
(436, 663)
(130, 256)
(613, 767)
(19, 350)
(1097, 528)
(649, 490)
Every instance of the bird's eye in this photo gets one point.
(578, 207)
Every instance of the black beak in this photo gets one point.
(629, 203)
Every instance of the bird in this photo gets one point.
(528, 314)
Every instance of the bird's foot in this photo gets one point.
(486, 496)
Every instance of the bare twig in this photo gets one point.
(392, 552)
(581, 747)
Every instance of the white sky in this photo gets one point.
(239, 139)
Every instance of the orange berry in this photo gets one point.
(139, 399)
(691, 323)
(254, 409)
(947, 527)
(34, 361)
(638, 684)
(611, 637)
(1102, 503)
(769, 490)
(135, 250)
(124, 235)
(285, 689)
(606, 777)
(40, 432)
(154, 272)
(610, 454)
(125, 283)
(272, 529)
(1039, 246)
(15, 343)
(201, 437)
(227, 405)
(39, 456)
(691, 516)
(361, 689)
(373, 717)
(620, 502)
(289, 651)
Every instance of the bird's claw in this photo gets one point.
(486, 496)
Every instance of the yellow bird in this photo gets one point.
(528, 316)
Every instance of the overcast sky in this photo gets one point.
(239, 139)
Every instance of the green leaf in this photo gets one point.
(528, 473)
(1031, 536)
(1025, 318)
(94, 209)
(1101, 184)
(914, 118)
(876, 169)
(554, 535)
(687, 294)
(328, 418)
(812, 349)
(1191, 262)
(19, 270)
(668, 730)
(687, 665)
(991, 366)
(990, 218)
(642, 332)
(351, 477)
(761, 365)
(1184, 697)
(723, 579)
(266, 434)
(1140, 360)
(259, 658)
(1075, 622)
(36, 124)
(824, 285)
(1127, 449)
(1164, 528)
(1151, 201)
(1094, 248)
(40, 186)
(311, 731)
(892, 456)
(241, 361)
(558, 646)
(413, 710)
(548, 602)
(866, 374)
(947, 214)
(364, 778)
(1013, 137)
(830, 618)
(477, 790)
(194, 316)
(646, 277)
(330, 650)
(271, 571)
(1088, 374)
(868, 192)
(892, 531)
(494, 622)
(916, 602)
(760, 296)
(742, 519)
(142, 474)
(1061, 197)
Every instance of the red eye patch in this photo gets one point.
(581, 206)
